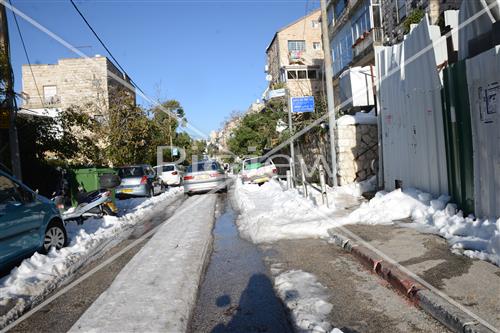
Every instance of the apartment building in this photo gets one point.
(354, 29)
(49, 88)
(397, 15)
(295, 57)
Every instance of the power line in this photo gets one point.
(27, 56)
(105, 47)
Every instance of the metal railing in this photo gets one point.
(290, 181)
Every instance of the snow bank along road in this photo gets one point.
(39, 277)
(157, 289)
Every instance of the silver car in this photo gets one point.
(138, 180)
(205, 177)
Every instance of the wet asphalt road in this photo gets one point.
(61, 314)
(236, 294)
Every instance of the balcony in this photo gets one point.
(296, 58)
(366, 42)
(47, 102)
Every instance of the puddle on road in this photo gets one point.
(236, 294)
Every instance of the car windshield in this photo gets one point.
(168, 168)
(130, 172)
(203, 166)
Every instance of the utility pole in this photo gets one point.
(329, 88)
(9, 103)
(290, 127)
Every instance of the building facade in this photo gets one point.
(398, 14)
(354, 29)
(295, 57)
(48, 88)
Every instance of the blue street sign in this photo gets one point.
(303, 104)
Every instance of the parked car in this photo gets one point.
(170, 174)
(258, 170)
(204, 177)
(138, 180)
(28, 222)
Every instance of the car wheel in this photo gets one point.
(55, 236)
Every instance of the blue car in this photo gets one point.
(28, 222)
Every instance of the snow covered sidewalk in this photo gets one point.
(157, 289)
(269, 213)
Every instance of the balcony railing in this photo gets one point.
(296, 57)
(52, 101)
(45, 102)
(374, 37)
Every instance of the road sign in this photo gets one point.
(303, 104)
(276, 93)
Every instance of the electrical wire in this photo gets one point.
(105, 47)
(27, 55)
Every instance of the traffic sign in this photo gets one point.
(303, 104)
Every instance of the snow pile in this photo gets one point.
(360, 118)
(267, 213)
(40, 274)
(357, 189)
(476, 238)
(307, 300)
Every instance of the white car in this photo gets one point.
(170, 174)
(258, 170)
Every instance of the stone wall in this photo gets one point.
(356, 149)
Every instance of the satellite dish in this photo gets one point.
(269, 77)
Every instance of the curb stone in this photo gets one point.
(444, 312)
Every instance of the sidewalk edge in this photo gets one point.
(444, 312)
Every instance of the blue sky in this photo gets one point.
(209, 55)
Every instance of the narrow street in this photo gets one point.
(237, 292)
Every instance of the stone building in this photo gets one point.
(397, 12)
(72, 82)
(295, 57)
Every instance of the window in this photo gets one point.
(8, 191)
(401, 9)
(339, 8)
(302, 74)
(361, 21)
(130, 172)
(342, 48)
(315, 24)
(167, 168)
(330, 15)
(316, 46)
(312, 74)
(296, 45)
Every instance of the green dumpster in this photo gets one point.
(88, 179)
